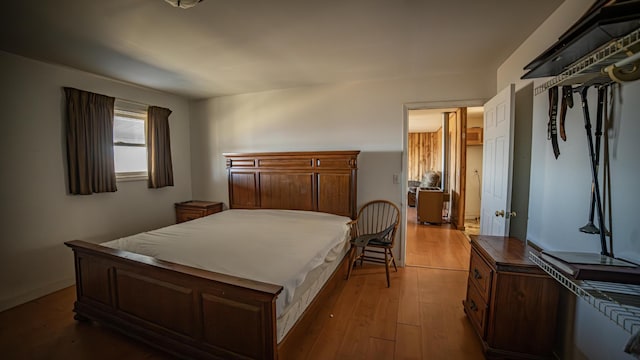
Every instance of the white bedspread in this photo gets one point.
(274, 246)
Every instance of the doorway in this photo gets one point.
(449, 119)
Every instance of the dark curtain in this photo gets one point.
(90, 142)
(159, 147)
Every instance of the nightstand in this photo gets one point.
(193, 209)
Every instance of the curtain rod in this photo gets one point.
(132, 102)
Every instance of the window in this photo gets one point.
(129, 145)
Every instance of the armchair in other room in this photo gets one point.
(430, 180)
(429, 206)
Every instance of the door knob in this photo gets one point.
(512, 214)
(500, 213)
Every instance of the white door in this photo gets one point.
(497, 160)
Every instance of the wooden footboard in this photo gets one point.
(188, 312)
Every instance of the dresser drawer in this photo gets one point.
(480, 274)
(476, 309)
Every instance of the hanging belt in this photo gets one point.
(567, 101)
(552, 130)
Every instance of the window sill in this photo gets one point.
(131, 177)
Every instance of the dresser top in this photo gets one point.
(504, 250)
(198, 203)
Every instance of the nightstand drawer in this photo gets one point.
(480, 274)
(186, 215)
(476, 309)
(189, 210)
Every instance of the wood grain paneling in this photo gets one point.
(283, 163)
(292, 191)
(332, 189)
(243, 190)
(94, 275)
(524, 297)
(425, 153)
(172, 304)
(224, 326)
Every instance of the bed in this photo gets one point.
(193, 312)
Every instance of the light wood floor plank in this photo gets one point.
(380, 349)
(328, 342)
(436, 246)
(408, 345)
(409, 304)
(449, 330)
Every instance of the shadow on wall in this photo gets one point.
(376, 174)
(377, 171)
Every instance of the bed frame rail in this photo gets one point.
(188, 312)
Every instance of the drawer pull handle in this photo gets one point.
(476, 274)
(473, 306)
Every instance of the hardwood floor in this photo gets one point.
(436, 246)
(419, 317)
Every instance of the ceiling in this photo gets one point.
(224, 47)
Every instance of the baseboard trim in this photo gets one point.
(29, 295)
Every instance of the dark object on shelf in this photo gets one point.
(593, 266)
(594, 171)
(552, 127)
(606, 20)
(590, 228)
(566, 102)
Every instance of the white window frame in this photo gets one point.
(130, 110)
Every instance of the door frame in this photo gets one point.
(405, 149)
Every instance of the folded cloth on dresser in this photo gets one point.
(273, 246)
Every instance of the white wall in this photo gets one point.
(366, 116)
(560, 189)
(38, 215)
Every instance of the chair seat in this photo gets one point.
(376, 242)
(373, 239)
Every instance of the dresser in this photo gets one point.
(193, 209)
(511, 303)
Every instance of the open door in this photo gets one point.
(499, 117)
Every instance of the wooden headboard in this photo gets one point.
(323, 181)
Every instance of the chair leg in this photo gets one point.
(393, 260)
(352, 253)
(386, 267)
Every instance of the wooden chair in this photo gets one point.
(374, 231)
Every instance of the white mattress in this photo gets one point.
(274, 246)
